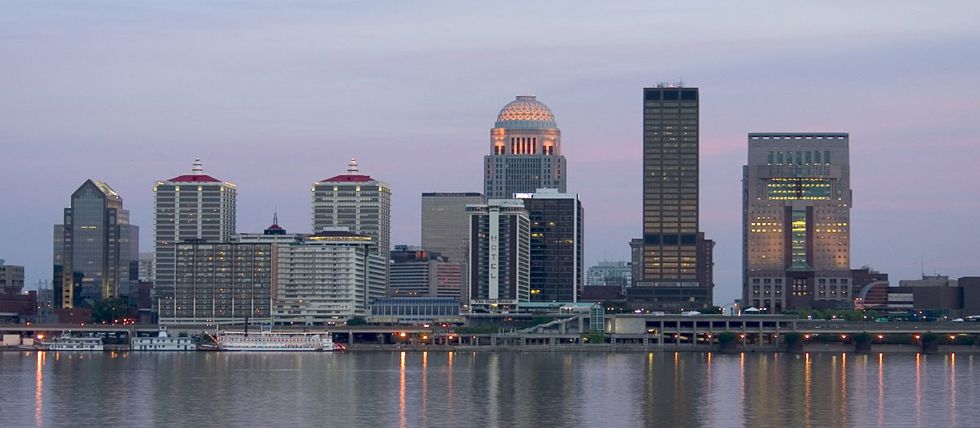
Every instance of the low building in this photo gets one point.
(415, 310)
(618, 273)
(416, 272)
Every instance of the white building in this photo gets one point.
(330, 276)
(357, 202)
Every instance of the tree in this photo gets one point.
(109, 310)
(356, 321)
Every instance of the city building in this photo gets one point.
(525, 151)
(221, 283)
(416, 272)
(676, 258)
(499, 255)
(445, 227)
(557, 247)
(415, 310)
(193, 206)
(145, 269)
(11, 278)
(96, 250)
(796, 222)
(355, 201)
(931, 297)
(330, 276)
(608, 273)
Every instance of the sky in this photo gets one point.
(275, 95)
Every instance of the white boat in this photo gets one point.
(162, 342)
(275, 341)
(68, 343)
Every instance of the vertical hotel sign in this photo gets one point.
(494, 252)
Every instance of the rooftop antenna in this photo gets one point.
(352, 166)
(197, 168)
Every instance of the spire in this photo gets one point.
(275, 217)
(197, 169)
(352, 167)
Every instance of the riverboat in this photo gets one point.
(274, 341)
(162, 342)
(69, 343)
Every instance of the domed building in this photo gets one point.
(525, 151)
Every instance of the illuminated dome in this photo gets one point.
(526, 112)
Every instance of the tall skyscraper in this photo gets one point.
(96, 251)
(191, 206)
(557, 247)
(499, 260)
(357, 202)
(445, 228)
(525, 151)
(677, 265)
(796, 198)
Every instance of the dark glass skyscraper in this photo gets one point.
(96, 252)
(676, 258)
(557, 250)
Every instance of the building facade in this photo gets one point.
(796, 222)
(193, 206)
(499, 255)
(356, 202)
(416, 272)
(96, 250)
(557, 247)
(11, 278)
(677, 266)
(329, 277)
(609, 273)
(525, 151)
(221, 283)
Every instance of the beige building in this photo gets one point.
(525, 151)
(796, 231)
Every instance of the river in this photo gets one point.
(533, 389)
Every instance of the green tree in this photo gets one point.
(356, 321)
(109, 310)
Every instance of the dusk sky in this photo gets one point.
(275, 95)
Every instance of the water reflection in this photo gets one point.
(497, 389)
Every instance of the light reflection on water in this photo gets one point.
(409, 389)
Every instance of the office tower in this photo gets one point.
(796, 193)
(525, 151)
(445, 228)
(330, 276)
(609, 273)
(357, 202)
(416, 272)
(145, 267)
(557, 248)
(444, 223)
(11, 278)
(96, 251)
(677, 266)
(499, 255)
(190, 206)
(221, 283)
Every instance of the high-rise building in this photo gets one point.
(445, 228)
(525, 151)
(11, 278)
(557, 247)
(796, 199)
(357, 202)
(444, 223)
(96, 251)
(330, 276)
(193, 206)
(221, 283)
(145, 267)
(676, 260)
(499, 255)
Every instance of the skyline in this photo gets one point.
(256, 92)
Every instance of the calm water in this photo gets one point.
(488, 389)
